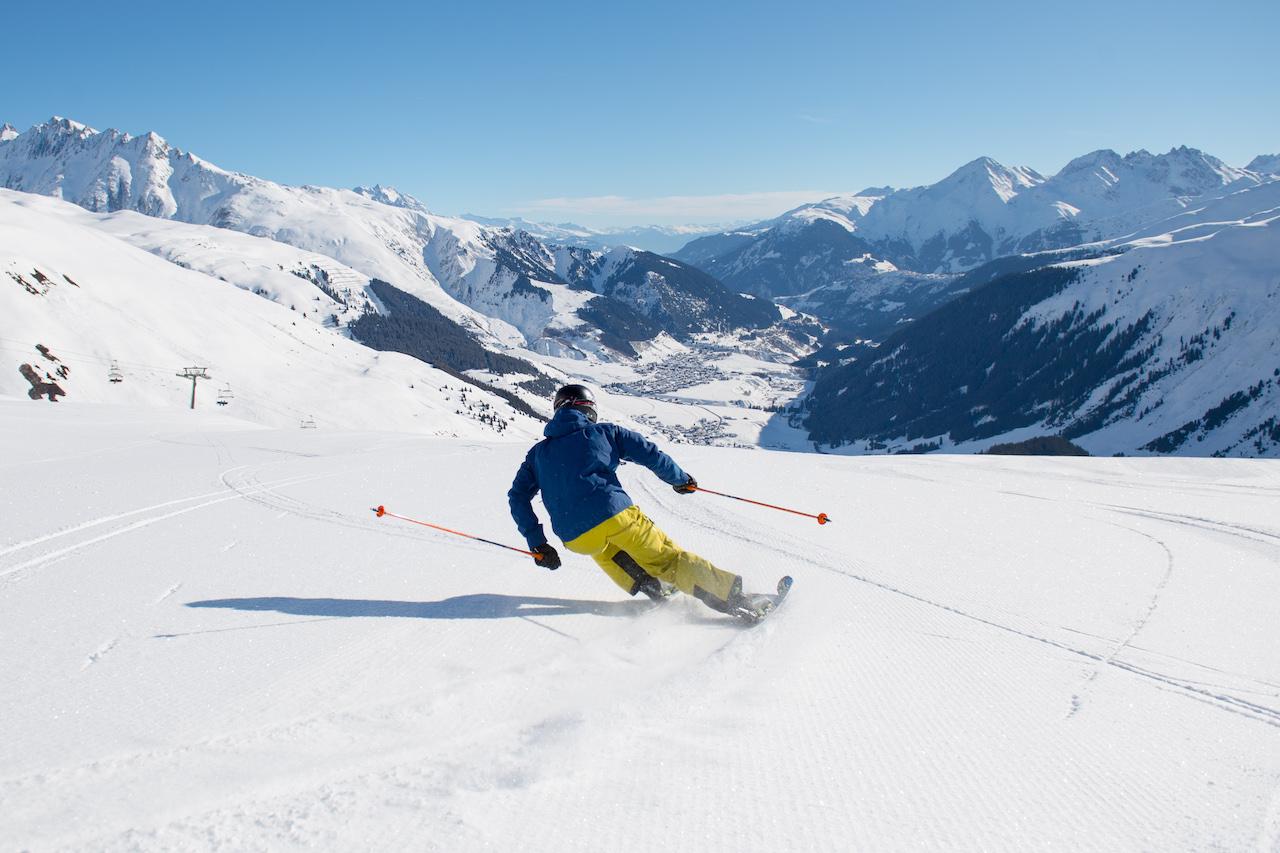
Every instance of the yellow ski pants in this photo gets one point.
(631, 549)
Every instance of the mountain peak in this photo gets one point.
(391, 196)
(1184, 153)
(1266, 164)
(1101, 157)
(8, 132)
(65, 127)
(985, 172)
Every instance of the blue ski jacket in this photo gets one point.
(576, 467)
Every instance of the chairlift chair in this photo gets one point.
(225, 396)
(114, 374)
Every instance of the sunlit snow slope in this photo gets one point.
(95, 301)
(208, 641)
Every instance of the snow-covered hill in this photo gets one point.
(505, 286)
(209, 642)
(102, 308)
(1163, 342)
(714, 393)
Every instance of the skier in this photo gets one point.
(575, 467)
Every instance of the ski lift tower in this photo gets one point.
(194, 373)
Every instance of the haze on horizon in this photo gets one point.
(658, 113)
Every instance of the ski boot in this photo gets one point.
(753, 607)
(657, 590)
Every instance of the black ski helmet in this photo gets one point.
(578, 396)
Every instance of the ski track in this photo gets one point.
(137, 525)
(168, 593)
(107, 519)
(1077, 699)
(804, 552)
(1251, 534)
(101, 652)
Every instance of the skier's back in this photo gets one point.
(575, 468)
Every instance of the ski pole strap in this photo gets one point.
(381, 511)
(822, 517)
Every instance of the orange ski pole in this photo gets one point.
(822, 517)
(380, 511)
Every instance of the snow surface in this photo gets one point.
(208, 641)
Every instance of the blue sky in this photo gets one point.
(611, 113)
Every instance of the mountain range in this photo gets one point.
(503, 285)
(1126, 302)
(831, 257)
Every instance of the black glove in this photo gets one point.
(547, 557)
(687, 488)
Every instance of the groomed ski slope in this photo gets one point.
(207, 641)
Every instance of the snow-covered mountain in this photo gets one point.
(505, 286)
(1265, 164)
(814, 259)
(986, 210)
(805, 248)
(574, 301)
(982, 211)
(165, 294)
(94, 313)
(1162, 342)
(109, 171)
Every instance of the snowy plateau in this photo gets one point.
(209, 642)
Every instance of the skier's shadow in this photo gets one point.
(480, 606)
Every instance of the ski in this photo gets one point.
(758, 606)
